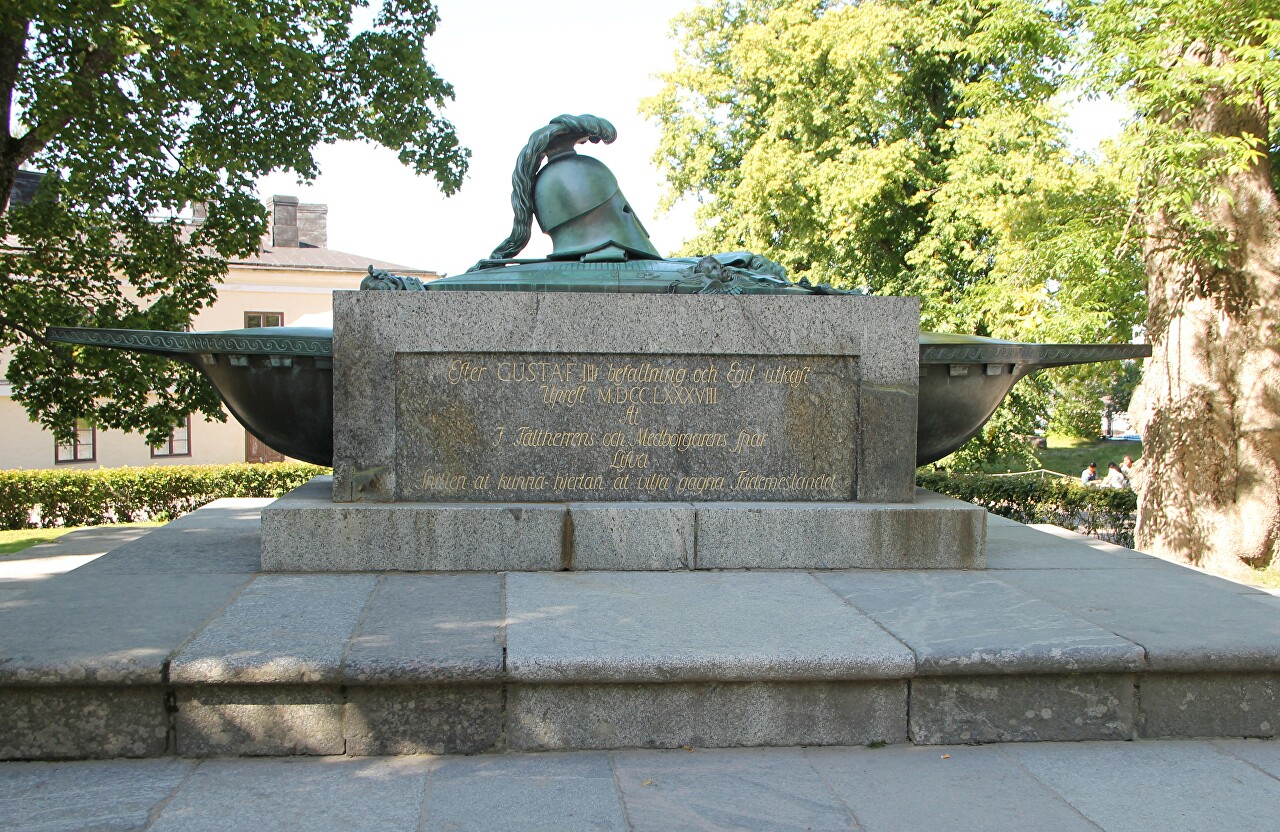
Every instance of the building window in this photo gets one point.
(179, 443)
(83, 449)
(254, 320)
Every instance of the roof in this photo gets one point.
(307, 257)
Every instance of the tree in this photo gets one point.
(915, 148)
(137, 109)
(910, 148)
(1203, 79)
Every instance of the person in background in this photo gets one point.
(1090, 474)
(1126, 466)
(1115, 477)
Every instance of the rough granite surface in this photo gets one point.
(948, 710)
(259, 720)
(371, 328)
(429, 628)
(935, 532)
(705, 714)
(968, 623)
(282, 629)
(650, 627)
(60, 723)
(1187, 705)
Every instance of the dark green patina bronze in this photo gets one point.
(278, 382)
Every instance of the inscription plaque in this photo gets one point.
(551, 427)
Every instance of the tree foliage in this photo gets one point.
(918, 148)
(911, 148)
(136, 109)
(1203, 79)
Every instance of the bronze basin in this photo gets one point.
(278, 381)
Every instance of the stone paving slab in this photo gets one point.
(95, 540)
(378, 795)
(1261, 754)
(231, 513)
(913, 789)
(1170, 786)
(1186, 621)
(969, 623)
(690, 626)
(525, 793)
(186, 550)
(429, 628)
(282, 629)
(1054, 787)
(109, 630)
(1012, 545)
(106, 795)
(771, 790)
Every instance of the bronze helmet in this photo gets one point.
(578, 203)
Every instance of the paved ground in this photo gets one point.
(71, 551)
(1058, 787)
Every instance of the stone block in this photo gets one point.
(684, 626)
(429, 628)
(528, 792)
(705, 714)
(61, 723)
(259, 720)
(425, 719)
(1208, 705)
(1169, 786)
(372, 328)
(1150, 607)
(935, 532)
(304, 531)
(283, 629)
(967, 623)
(912, 788)
(624, 536)
(771, 789)
(340, 794)
(99, 795)
(947, 710)
(105, 629)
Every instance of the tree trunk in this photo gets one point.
(1209, 401)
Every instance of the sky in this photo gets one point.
(514, 66)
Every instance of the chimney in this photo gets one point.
(313, 225)
(284, 221)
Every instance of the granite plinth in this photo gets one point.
(139, 660)
(304, 531)
(530, 397)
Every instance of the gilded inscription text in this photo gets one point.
(560, 427)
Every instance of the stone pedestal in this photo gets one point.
(523, 431)
(532, 397)
(305, 531)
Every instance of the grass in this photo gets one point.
(1266, 578)
(1069, 455)
(15, 540)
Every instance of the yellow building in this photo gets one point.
(291, 278)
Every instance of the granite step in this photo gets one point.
(305, 531)
(174, 644)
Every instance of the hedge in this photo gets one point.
(120, 495)
(1106, 513)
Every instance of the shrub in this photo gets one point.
(1106, 513)
(120, 495)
